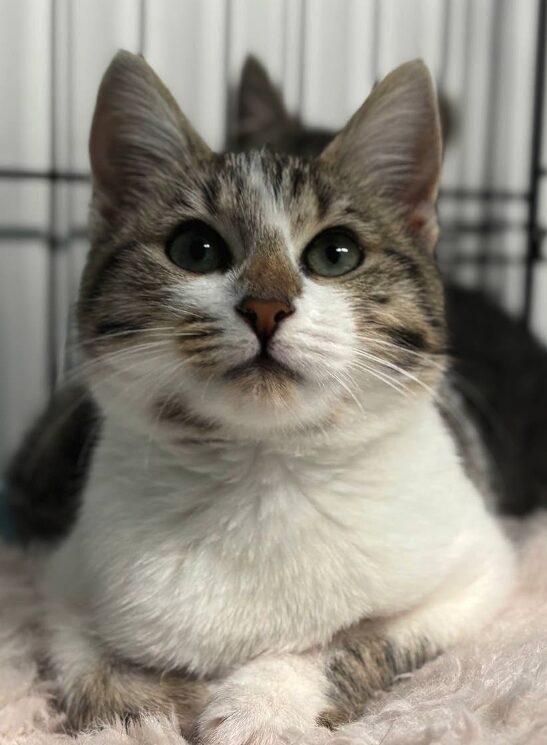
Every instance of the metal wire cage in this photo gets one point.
(488, 58)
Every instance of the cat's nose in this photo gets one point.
(264, 316)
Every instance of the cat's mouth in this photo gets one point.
(265, 365)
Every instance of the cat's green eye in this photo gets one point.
(198, 248)
(332, 254)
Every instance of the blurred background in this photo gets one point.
(487, 56)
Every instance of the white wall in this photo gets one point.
(325, 54)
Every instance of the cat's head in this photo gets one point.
(259, 292)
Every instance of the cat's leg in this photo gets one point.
(114, 691)
(330, 687)
(95, 687)
(371, 655)
(264, 699)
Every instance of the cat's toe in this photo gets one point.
(249, 719)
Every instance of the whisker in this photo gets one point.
(400, 348)
(396, 368)
(346, 387)
(80, 370)
(155, 331)
(396, 385)
(435, 394)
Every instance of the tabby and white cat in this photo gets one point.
(276, 520)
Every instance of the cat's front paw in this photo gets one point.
(245, 717)
(260, 705)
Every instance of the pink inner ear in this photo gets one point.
(416, 222)
(422, 223)
(427, 158)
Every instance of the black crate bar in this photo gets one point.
(535, 234)
(53, 280)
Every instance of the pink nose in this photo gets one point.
(264, 316)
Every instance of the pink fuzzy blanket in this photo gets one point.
(491, 690)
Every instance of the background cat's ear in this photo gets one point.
(261, 114)
(392, 144)
(138, 130)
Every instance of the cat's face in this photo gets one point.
(260, 292)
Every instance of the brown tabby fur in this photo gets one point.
(124, 692)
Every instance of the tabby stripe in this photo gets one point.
(357, 666)
(414, 271)
(407, 338)
(106, 270)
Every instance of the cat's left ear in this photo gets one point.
(392, 145)
(139, 135)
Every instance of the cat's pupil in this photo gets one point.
(335, 253)
(198, 249)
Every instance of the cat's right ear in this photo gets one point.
(392, 147)
(261, 114)
(138, 131)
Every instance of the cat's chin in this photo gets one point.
(261, 397)
(264, 372)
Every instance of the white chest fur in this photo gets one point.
(208, 559)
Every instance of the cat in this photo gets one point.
(497, 367)
(275, 522)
